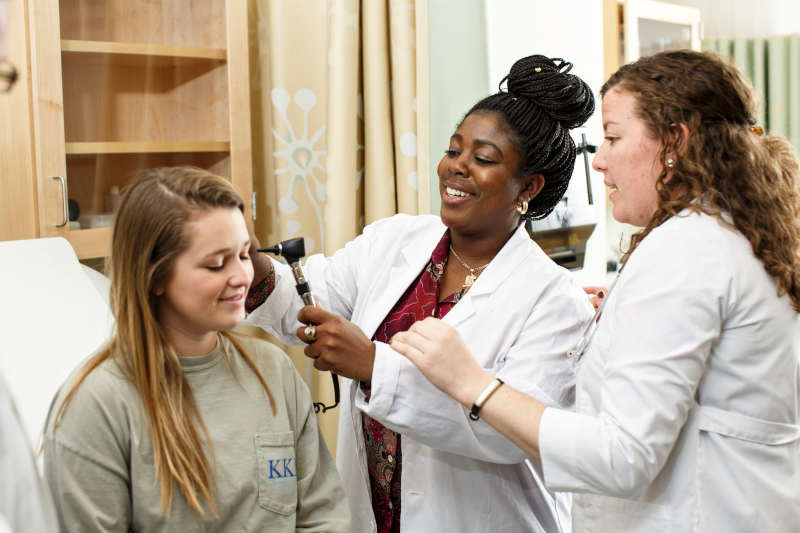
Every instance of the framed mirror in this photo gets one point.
(650, 27)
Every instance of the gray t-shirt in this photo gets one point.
(273, 473)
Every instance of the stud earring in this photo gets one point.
(670, 162)
(522, 207)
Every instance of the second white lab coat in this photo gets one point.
(687, 398)
(519, 319)
(25, 504)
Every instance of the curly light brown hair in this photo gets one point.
(722, 161)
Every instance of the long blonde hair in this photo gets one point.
(755, 179)
(149, 233)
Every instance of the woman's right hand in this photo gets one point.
(438, 351)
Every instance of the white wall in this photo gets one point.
(572, 30)
(458, 73)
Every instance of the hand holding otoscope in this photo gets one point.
(293, 250)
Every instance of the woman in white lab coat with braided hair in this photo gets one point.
(687, 391)
(410, 459)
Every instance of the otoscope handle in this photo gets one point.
(293, 250)
(301, 284)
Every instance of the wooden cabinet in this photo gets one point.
(120, 85)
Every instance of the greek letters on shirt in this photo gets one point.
(277, 472)
(281, 468)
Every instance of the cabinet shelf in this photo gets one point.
(116, 86)
(141, 54)
(74, 148)
(91, 242)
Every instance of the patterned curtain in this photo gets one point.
(773, 66)
(333, 97)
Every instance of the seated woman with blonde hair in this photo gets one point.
(180, 423)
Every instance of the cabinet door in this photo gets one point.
(48, 117)
(18, 215)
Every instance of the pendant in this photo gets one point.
(469, 280)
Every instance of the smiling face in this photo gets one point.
(628, 159)
(208, 283)
(477, 178)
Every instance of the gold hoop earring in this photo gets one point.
(522, 207)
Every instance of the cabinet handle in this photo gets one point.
(64, 197)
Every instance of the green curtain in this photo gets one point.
(773, 66)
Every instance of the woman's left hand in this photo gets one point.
(438, 351)
(596, 294)
(338, 345)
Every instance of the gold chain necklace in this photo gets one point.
(473, 272)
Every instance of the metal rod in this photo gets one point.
(586, 168)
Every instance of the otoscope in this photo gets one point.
(293, 250)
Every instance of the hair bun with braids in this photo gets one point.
(543, 102)
(548, 84)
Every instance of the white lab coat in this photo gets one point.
(25, 504)
(519, 319)
(687, 398)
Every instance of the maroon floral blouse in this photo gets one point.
(384, 452)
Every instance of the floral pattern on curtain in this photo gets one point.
(333, 98)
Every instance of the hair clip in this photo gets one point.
(758, 130)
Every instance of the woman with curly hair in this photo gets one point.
(687, 393)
